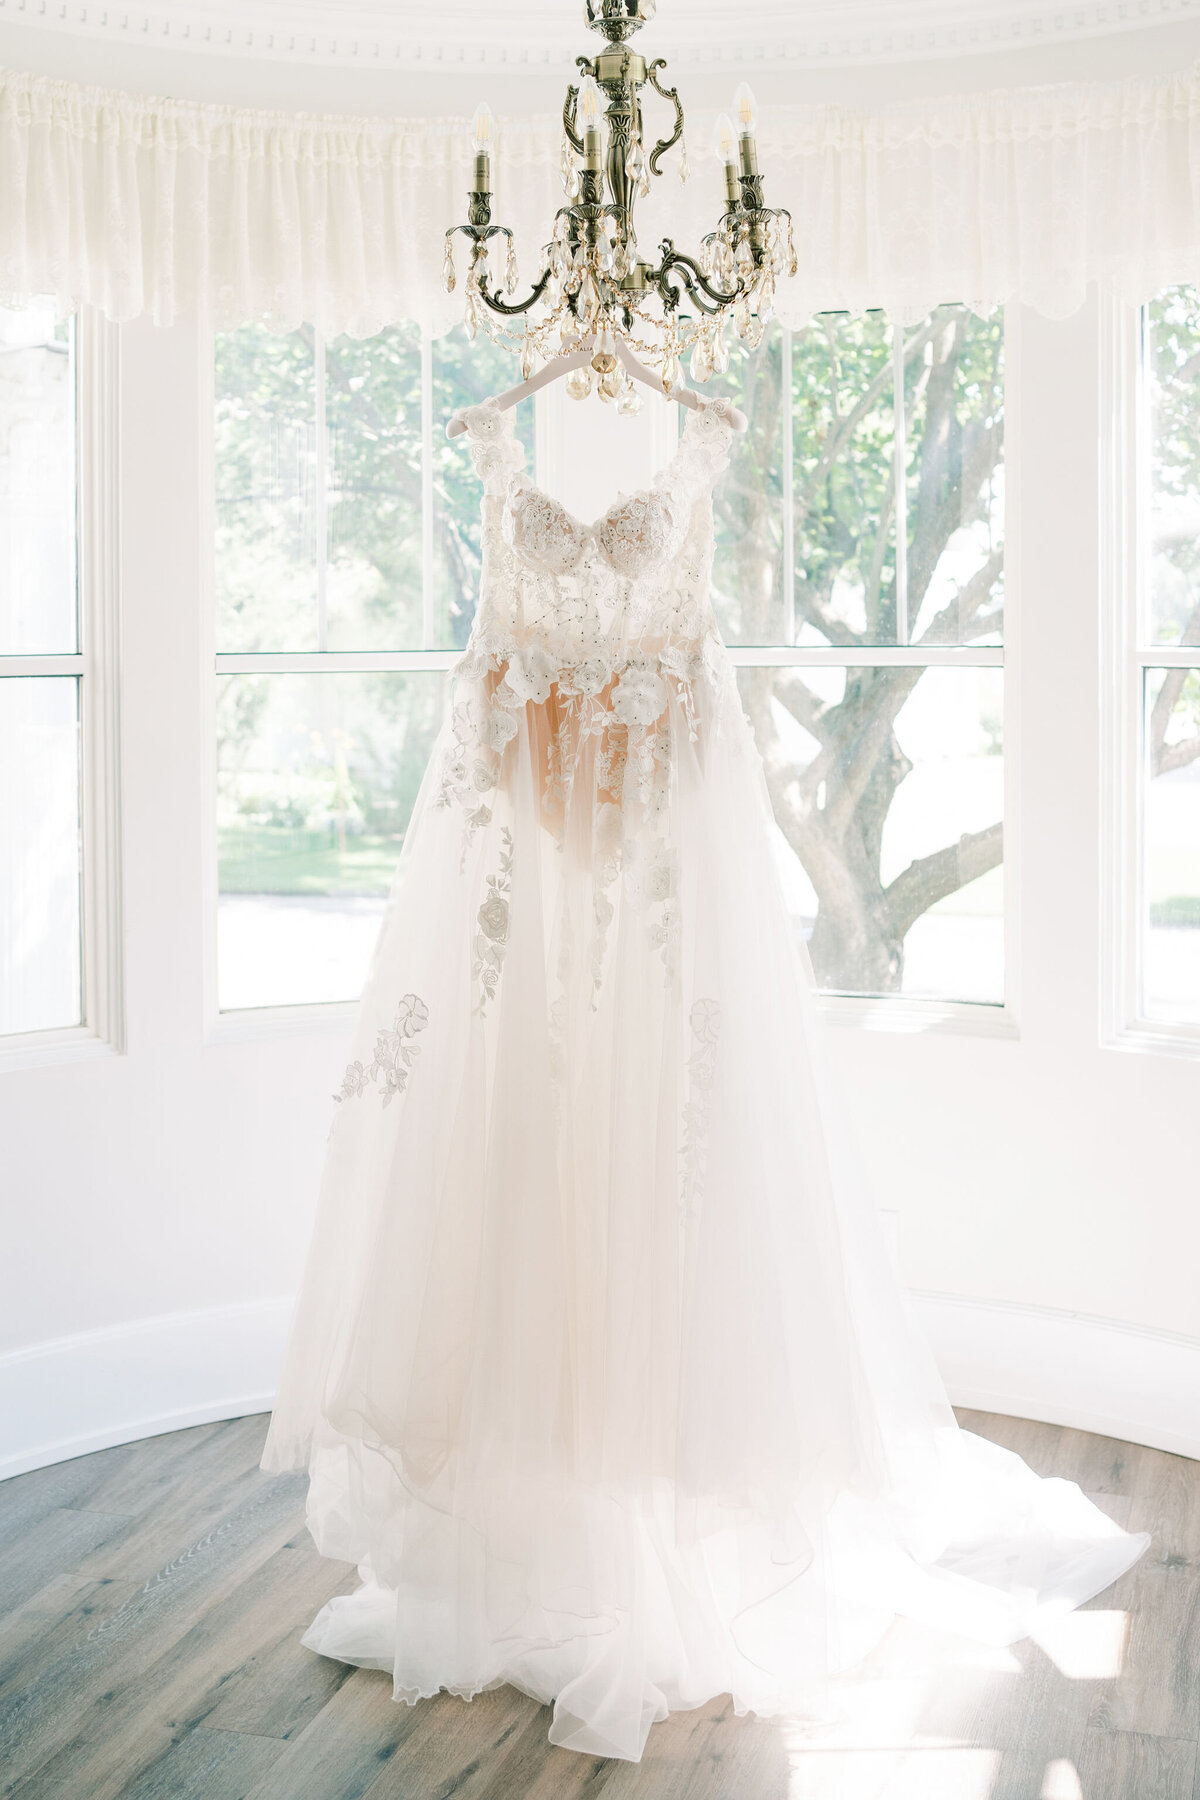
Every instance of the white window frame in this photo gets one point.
(906, 1012)
(249, 1023)
(1126, 654)
(890, 1013)
(97, 668)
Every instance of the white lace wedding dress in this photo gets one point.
(600, 1369)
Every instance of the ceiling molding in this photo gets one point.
(541, 34)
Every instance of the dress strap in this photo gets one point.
(495, 451)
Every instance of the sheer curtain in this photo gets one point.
(143, 205)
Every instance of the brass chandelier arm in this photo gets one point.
(512, 309)
(664, 144)
(568, 119)
(692, 277)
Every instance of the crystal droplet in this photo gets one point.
(685, 168)
(766, 299)
(579, 383)
(630, 401)
(510, 269)
(741, 315)
(670, 374)
(470, 313)
(719, 351)
(754, 332)
(700, 363)
(528, 358)
(589, 298)
(448, 278)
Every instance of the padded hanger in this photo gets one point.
(578, 359)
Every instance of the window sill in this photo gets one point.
(42, 1049)
(1144, 1037)
(907, 1017)
(255, 1024)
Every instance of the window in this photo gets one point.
(346, 567)
(859, 578)
(41, 677)
(1164, 658)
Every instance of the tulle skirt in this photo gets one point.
(600, 1369)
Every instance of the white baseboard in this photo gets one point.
(62, 1399)
(75, 1394)
(1065, 1368)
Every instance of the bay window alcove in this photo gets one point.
(955, 571)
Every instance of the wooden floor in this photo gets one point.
(152, 1598)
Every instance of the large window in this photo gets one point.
(860, 577)
(1166, 658)
(346, 568)
(41, 676)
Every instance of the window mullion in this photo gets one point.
(321, 508)
(427, 621)
(900, 482)
(788, 486)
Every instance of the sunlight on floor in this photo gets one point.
(1086, 1646)
(1062, 1782)
(952, 1773)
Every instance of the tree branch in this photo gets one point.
(931, 878)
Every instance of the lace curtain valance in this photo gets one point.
(159, 207)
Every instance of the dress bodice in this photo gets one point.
(591, 638)
(585, 597)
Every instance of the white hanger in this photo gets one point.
(578, 359)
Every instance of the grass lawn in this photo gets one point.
(276, 860)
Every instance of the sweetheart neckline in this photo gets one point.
(620, 499)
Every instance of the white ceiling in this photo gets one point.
(536, 34)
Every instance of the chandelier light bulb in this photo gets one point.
(483, 126)
(745, 108)
(589, 103)
(726, 142)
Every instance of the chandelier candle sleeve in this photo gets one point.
(594, 284)
(728, 152)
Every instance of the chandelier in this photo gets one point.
(594, 284)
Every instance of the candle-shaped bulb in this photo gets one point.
(726, 141)
(746, 110)
(589, 121)
(589, 104)
(482, 128)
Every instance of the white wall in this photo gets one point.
(157, 1202)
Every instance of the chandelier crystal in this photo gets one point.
(594, 284)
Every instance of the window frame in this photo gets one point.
(96, 667)
(910, 1012)
(1126, 656)
(243, 1024)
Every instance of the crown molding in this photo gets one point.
(772, 33)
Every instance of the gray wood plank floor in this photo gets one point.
(152, 1599)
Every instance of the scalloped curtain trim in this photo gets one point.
(145, 206)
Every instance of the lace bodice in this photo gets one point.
(589, 639)
(635, 581)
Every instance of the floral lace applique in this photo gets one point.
(491, 939)
(705, 1022)
(395, 1054)
(640, 532)
(540, 530)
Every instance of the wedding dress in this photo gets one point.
(600, 1369)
